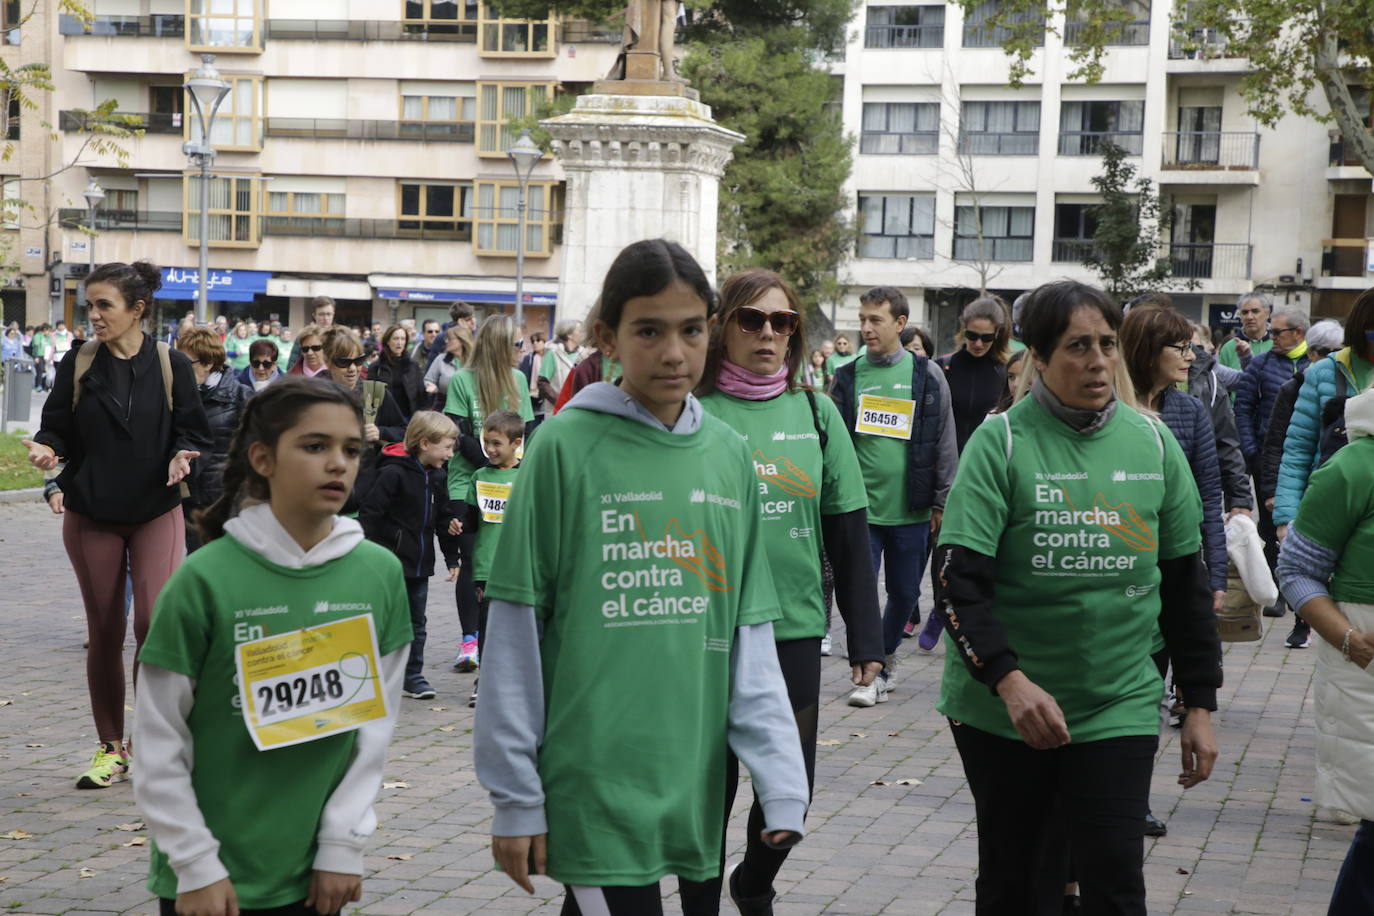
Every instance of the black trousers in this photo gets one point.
(641, 900)
(800, 661)
(169, 908)
(1088, 799)
(465, 590)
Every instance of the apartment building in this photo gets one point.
(361, 154)
(942, 138)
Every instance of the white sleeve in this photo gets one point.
(163, 785)
(348, 820)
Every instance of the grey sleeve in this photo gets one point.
(432, 372)
(763, 730)
(1235, 480)
(1229, 378)
(947, 452)
(509, 727)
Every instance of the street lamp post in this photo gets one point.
(207, 91)
(94, 195)
(523, 155)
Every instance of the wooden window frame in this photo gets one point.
(258, 17)
(461, 234)
(543, 199)
(290, 213)
(190, 209)
(258, 118)
(488, 21)
(465, 25)
(498, 125)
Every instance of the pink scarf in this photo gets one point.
(741, 383)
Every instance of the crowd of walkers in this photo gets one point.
(669, 494)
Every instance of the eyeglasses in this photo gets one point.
(343, 362)
(1182, 349)
(971, 336)
(1277, 331)
(261, 363)
(311, 348)
(784, 322)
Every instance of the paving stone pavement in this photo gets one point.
(1245, 842)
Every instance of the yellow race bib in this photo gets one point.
(890, 417)
(308, 684)
(491, 500)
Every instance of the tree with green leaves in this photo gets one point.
(1131, 222)
(782, 196)
(1294, 48)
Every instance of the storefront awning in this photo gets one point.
(224, 285)
(475, 296)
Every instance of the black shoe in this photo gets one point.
(760, 905)
(1072, 904)
(1301, 636)
(1155, 827)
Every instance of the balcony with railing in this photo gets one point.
(1210, 260)
(1091, 142)
(173, 25)
(157, 25)
(153, 122)
(108, 220)
(991, 143)
(1195, 47)
(1210, 152)
(348, 129)
(930, 36)
(888, 143)
(967, 248)
(1120, 34)
(1071, 251)
(583, 31)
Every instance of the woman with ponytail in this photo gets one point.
(126, 418)
(278, 559)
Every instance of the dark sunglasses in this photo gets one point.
(343, 362)
(312, 348)
(262, 363)
(971, 336)
(751, 320)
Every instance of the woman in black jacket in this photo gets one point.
(403, 376)
(223, 397)
(344, 358)
(128, 429)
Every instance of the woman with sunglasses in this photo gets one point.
(343, 353)
(977, 369)
(311, 341)
(810, 486)
(263, 365)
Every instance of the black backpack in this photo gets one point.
(1333, 437)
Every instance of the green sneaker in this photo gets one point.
(108, 766)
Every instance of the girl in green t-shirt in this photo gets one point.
(631, 558)
(286, 563)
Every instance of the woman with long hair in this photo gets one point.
(403, 376)
(489, 382)
(344, 357)
(457, 351)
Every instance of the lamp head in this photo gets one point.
(207, 91)
(524, 154)
(94, 194)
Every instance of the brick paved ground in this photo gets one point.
(1246, 842)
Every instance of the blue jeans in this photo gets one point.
(417, 591)
(905, 548)
(1354, 893)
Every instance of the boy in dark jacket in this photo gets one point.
(403, 511)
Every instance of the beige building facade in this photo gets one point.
(360, 154)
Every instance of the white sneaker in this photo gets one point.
(825, 645)
(871, 695)
(890, 663)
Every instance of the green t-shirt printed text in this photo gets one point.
(1078, 525)
(797, 485)
(882, 459)
(225, 594)
(464, 400)
(1337, 512)
(488, 532)
(650, 555)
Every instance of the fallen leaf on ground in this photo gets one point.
(138, 841)
(828, 742)
(5, 702)
(908, 782)
(894, 734)
(86, 873)
(395, 785)
(1183, 871)
(877, 782)
(403, 856)
(128, 708)
(447, 728)
(130, 828)
(857, 735)
(35, 745)
(4, 878)
(437, 708)
(16, 835)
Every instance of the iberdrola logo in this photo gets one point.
(321, 607)
(698, 496)
(1118, 476)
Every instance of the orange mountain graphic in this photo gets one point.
(785, 474)
(1133, 531)
(708, 564)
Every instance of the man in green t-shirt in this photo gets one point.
(897, 409)
(1253, 339)
(843, 354)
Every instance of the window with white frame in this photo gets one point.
(996, 233)
(897, 226)
(1000, 129)
(900, 129)
(1085, 127)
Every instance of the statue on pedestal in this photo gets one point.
(647, 50)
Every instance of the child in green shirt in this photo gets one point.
(271, 675)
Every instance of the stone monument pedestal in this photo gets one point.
(643, 160)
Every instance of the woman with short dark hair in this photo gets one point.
(403, 376)
(1070, 540)
(264, 365)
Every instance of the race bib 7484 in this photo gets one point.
(890, 417)
(491, 500)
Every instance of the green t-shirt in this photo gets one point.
(225, 594)
(490, 513)
(1337, 512)
(641, 566)
(786, 450)
(1228, 356)
(548, 366)
(835, 360)
(236, 350)
(464, 401)
(883, 459)
(1078, 525)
